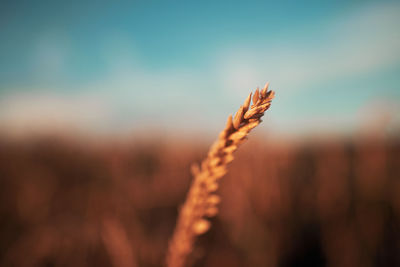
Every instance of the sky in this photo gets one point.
(103, 67)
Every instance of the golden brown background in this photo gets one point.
(327, 202)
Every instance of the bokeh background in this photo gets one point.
(104, 105)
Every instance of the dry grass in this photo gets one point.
(201, 201)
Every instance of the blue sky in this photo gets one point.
(111, 67)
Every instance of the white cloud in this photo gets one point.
(50, 56)
(27, 113)
(119, 102)
(363, 41)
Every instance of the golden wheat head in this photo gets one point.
(201, 201)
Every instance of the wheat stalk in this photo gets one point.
(201, 202)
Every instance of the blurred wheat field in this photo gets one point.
(326, 203)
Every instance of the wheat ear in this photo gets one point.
(201, 201)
